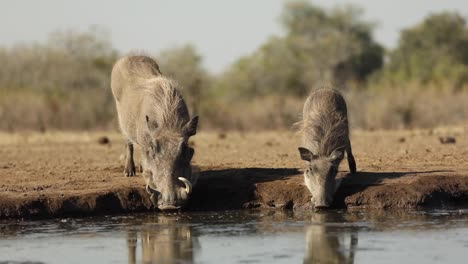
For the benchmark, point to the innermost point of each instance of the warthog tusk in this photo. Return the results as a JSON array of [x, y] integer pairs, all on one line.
[[188, 185], [150, 190]]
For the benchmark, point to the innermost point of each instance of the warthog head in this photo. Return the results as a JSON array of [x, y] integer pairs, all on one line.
[[167, 170], [319, 176]]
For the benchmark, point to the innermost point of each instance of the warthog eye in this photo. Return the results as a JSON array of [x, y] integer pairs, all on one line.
[[155, 147], [186, 152], [190, 152]]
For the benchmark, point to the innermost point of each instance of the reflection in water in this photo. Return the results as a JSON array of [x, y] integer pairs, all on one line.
[[253, 236], [326, 243], [166, 240]]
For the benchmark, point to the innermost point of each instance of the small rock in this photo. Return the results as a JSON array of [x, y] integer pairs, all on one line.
[[447, 140], [103, 140], [222, 135], [402, 139]]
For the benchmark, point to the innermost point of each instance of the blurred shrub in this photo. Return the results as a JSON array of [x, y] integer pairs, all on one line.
[[320, 47], [62, 84], [184, 64], [261, 113], [434, 51], [406, 107]]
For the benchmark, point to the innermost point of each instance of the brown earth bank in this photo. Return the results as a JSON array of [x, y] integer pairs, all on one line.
[[75, 174]]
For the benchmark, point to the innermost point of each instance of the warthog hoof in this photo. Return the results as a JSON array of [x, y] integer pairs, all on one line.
[[130, 170]]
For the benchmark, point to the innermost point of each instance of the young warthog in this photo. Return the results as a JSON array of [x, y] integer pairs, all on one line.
[[153, 115], [325, 135]]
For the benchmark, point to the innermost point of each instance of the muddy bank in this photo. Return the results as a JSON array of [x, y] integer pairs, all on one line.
[[67, 174], [250, 188]]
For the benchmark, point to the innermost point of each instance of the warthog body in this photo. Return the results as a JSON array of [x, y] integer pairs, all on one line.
[[153, 115], [325, 137]]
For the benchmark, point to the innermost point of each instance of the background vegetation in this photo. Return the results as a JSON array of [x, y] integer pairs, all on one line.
[[64, 82]]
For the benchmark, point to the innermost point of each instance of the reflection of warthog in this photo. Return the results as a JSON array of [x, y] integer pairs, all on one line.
[[153, 115], [325, 136], [325, 245], [166, 242]]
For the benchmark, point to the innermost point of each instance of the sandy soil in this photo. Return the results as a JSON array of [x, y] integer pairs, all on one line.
[[56, 174]]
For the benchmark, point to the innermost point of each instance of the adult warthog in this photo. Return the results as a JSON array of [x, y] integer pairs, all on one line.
[[153, 115], [325, 138]]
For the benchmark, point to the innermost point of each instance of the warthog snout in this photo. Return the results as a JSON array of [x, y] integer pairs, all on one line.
[[166, 199], [321, 200], [322, 206]]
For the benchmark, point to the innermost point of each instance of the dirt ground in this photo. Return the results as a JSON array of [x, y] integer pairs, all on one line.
[[58, 174]]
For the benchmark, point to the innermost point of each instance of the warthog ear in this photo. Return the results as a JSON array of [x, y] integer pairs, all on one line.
[[190, 128], [337, 155], [306, 154], [152, 126]]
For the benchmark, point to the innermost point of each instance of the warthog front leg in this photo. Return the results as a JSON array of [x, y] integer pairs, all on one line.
[[140, 167], [129, 170], [351, 161]]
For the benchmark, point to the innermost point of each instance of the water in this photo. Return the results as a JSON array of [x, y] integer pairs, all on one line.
[[241, 237]]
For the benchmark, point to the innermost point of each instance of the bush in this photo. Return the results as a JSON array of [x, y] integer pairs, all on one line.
[[62, 84], [434, 51]]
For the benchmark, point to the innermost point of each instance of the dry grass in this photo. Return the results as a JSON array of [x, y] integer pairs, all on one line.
[[261, 113], [381, 109], [32, 110], [387, 109], [407, 107]]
